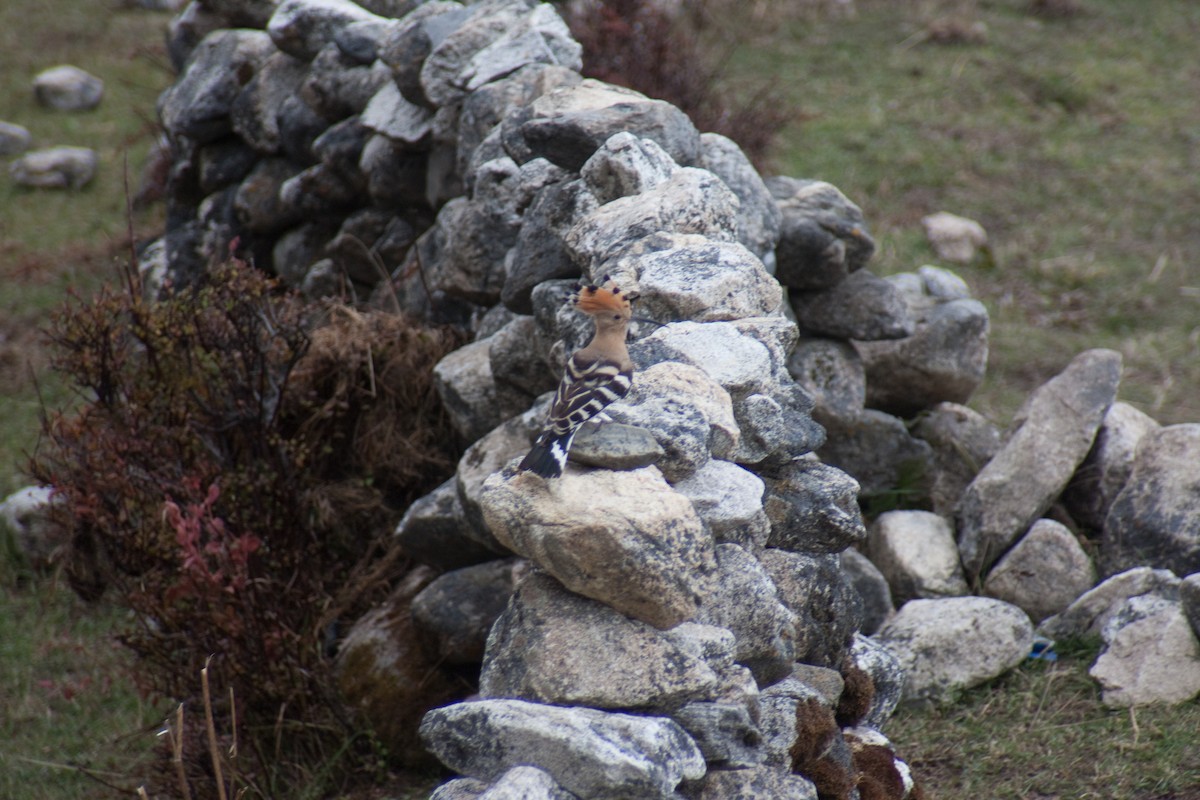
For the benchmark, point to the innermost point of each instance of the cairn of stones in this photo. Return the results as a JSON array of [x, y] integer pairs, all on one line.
[[696, 607]]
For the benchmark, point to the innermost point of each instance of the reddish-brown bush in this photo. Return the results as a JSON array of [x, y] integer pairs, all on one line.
[[232, 473]]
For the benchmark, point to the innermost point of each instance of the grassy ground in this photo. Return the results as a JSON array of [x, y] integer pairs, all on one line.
[[52, 242], [70, 720], [1074, 140], [71, 725], [1040, 733]]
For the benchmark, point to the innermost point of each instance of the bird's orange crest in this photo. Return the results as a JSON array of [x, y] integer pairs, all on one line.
[[607, 297]]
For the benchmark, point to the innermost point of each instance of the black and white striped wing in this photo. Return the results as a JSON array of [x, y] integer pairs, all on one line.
[[586, 388]]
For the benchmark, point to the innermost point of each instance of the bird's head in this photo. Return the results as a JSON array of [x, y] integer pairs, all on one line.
[[605, 303]]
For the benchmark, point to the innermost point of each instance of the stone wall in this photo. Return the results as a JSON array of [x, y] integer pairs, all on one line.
[[687, 610]]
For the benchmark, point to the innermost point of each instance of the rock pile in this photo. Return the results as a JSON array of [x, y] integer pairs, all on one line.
[[696, 608]]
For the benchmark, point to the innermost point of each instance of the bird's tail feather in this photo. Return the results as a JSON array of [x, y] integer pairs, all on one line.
[[548, 455]]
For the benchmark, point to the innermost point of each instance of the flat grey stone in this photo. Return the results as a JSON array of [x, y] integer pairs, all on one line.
[[589, 753], [1152, 655], [946, 646], [553, 646], [68, 88], [813, 508], [915, 551], [55, 168], [1050, 437], [611, 445]]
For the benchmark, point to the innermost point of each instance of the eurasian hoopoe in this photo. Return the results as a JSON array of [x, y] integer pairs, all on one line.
[[595, 376]]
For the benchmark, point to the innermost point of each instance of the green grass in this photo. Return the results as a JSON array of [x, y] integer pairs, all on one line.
[[55, 241], [69, 720], [1069, 139], [1040, 732]]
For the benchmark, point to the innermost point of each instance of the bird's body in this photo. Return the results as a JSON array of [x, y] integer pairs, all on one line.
[[595, 376]]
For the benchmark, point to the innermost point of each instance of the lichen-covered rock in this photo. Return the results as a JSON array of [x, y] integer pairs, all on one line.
[[395, 175], [778, 706], [257, 202], [1155, 520], [862, 307], [688, 413], [954, 238], [362, 40], [1189, 598], [255, 111], [827, 610], [756, 784], [398, 119], [743, 599], [1043, 573], [540, 253], [725, 733], [729, 499], [517, 357], [25, 514], [590, 753], [626, 165], [568, 125], [717, 647], [461, 789], [1151, 654], [741, 364], [186, 29], [690, 277], [1050, 437], [337, 86], [611, 445], [496, 38], [872, 589], [690, 201], [553, 646], [406, 46], [823, 237], [641, 550], [887, 679], [488, 456], [813, 508], [946, 646], [457, 609], [301, 28], [474, 400], [525, 783], [832, 372], [14, 139], [915, 551]]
